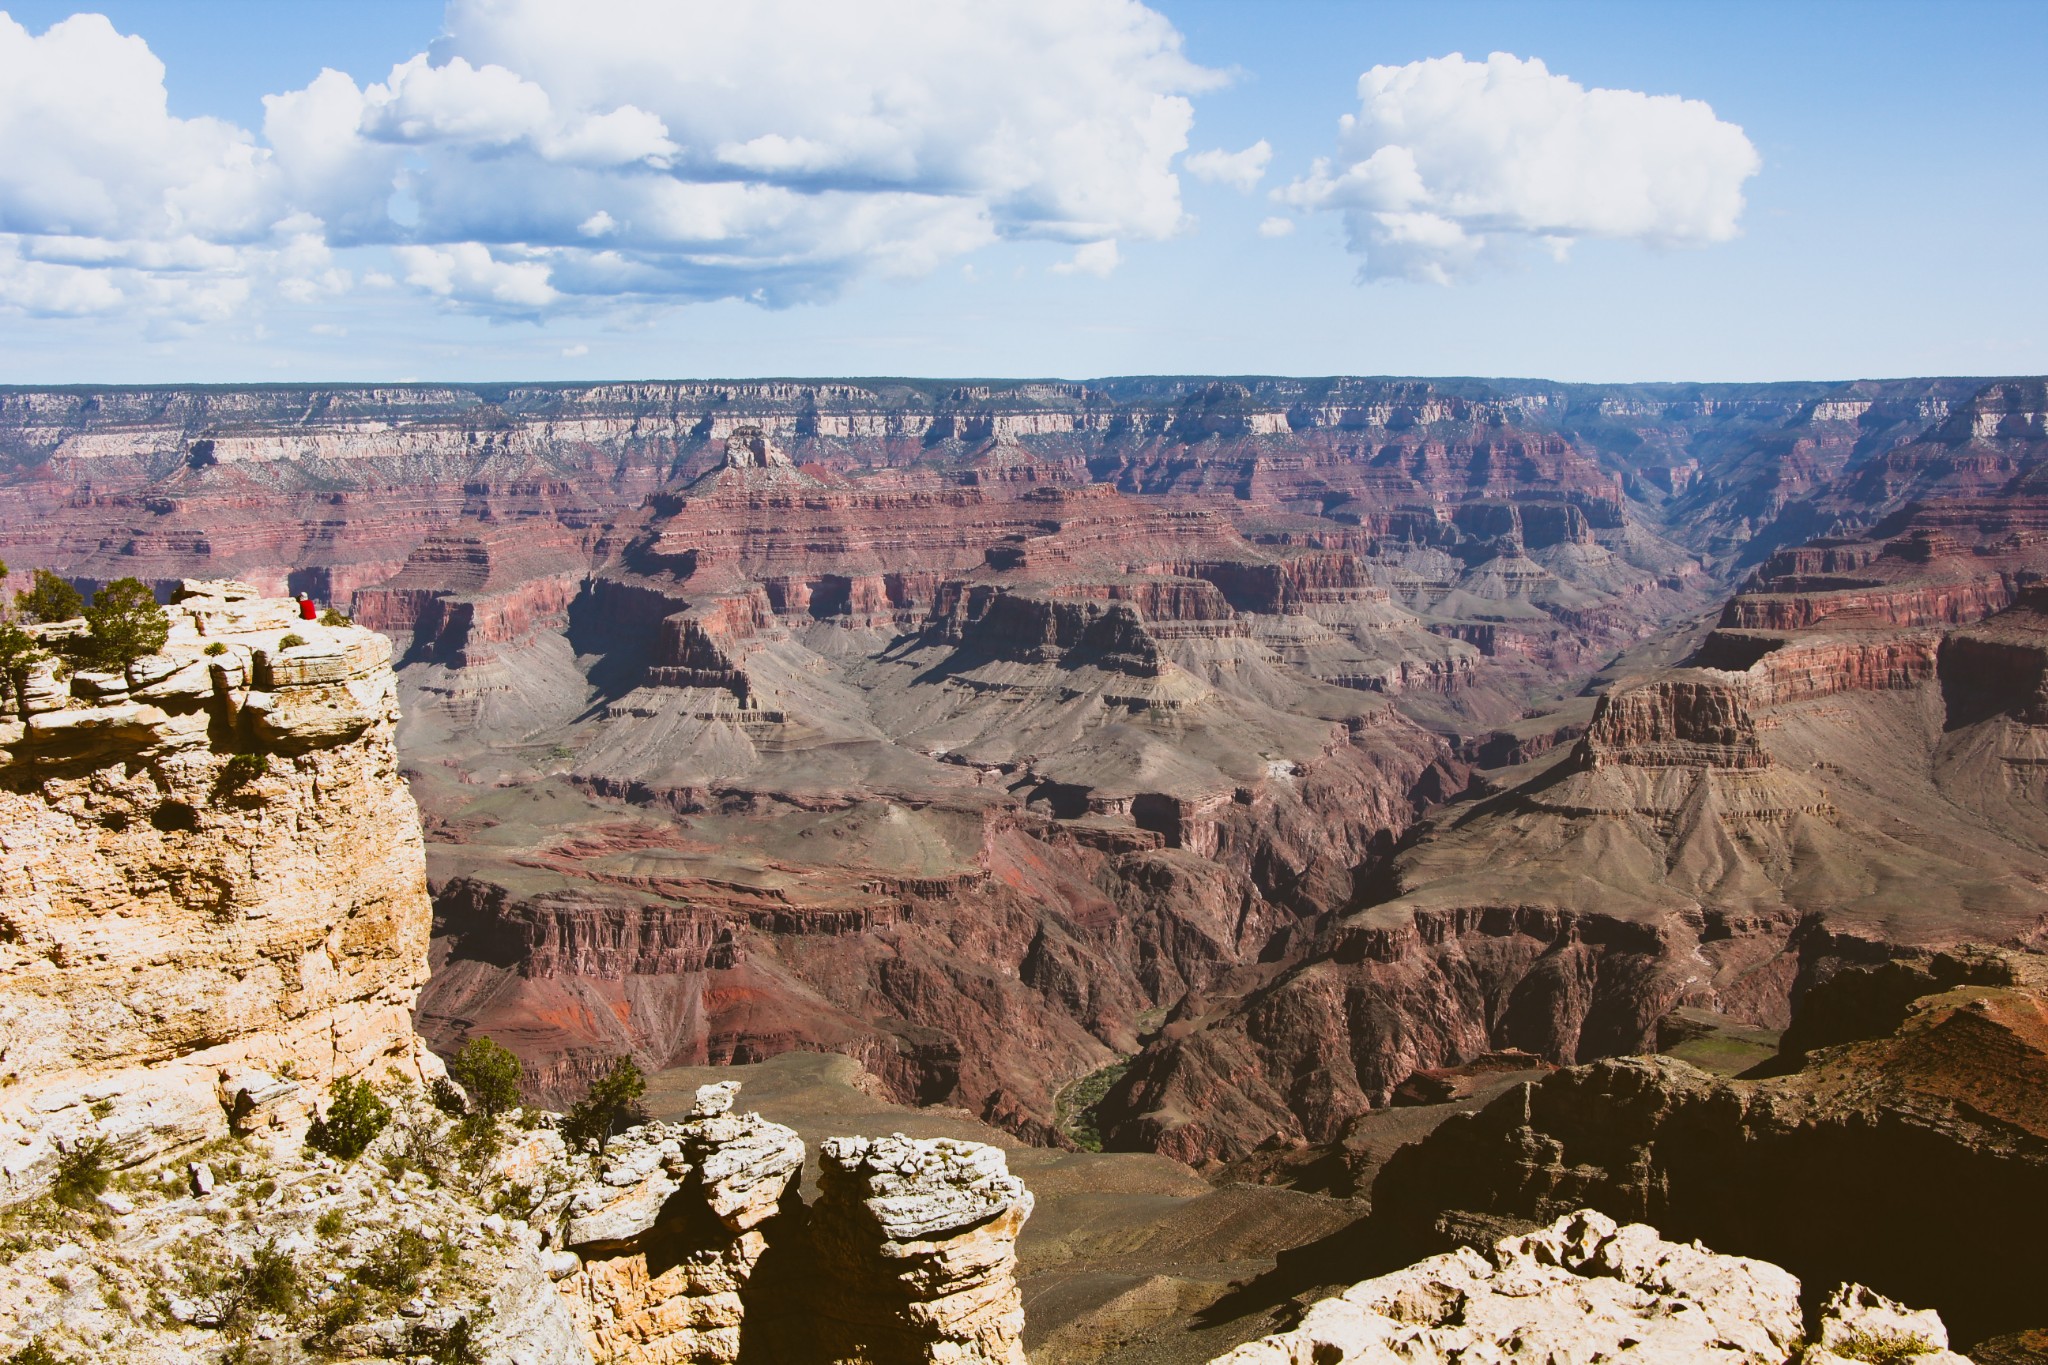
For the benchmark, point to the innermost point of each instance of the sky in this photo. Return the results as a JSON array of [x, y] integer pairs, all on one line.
[[234, 191]]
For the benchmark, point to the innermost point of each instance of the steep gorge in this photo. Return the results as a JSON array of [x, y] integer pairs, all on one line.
[[990, 734]]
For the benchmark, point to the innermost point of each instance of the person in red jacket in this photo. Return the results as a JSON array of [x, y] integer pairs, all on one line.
[[305, 607]]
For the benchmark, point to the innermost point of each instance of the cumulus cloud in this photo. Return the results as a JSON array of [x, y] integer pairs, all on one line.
[[541, 158], [772, 151], [1450, 164], [109, 204], [1095, 258], [1276, 227], [1242, 171]]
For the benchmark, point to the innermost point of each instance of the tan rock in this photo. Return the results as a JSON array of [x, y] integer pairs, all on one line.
[[1583, 1289], [672, 1226], [182, 948], [1861, 1324], [915, 1251]]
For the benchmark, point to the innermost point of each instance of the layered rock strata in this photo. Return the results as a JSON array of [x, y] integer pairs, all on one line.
[[689, 1242], [1721, 838], [916, 1240], [1587, 1289], [673, 1230], [212, 889]]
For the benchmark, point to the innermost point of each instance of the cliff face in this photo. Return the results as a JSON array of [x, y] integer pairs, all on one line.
[[212, 887]]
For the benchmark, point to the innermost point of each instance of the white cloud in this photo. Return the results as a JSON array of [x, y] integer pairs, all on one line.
[[108, 203], [541, 158], [1451, 163], [1276, 227], [1096, 258], [1242, 171], [470, 273], [579, 349], [771, 151]]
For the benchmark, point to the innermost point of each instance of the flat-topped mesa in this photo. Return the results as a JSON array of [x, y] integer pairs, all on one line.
[[212, 886], [1586, 1288], [751, 448], [671, 1233], [1028, 628], [915, 1242], [1691, 719]]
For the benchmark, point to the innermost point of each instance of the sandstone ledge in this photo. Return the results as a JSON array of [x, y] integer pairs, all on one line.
[[212, 894]]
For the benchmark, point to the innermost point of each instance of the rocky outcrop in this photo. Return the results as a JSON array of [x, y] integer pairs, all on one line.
[[672, 1231], [256, 1250], [689, 1242], [212, 891], [1679, 721], [1951, 1088], [1585, 1288], [916, 1241]]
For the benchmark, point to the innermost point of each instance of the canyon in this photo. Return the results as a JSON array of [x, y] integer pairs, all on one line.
[[1254, 774]]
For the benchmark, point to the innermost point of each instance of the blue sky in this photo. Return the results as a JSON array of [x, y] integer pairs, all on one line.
[[1888, 173]]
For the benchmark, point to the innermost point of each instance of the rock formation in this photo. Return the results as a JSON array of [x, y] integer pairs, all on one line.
[[689, 1241], [916, 1240], [1937, 1066], [909, 720], [212, 894], [1587, 1289], [372, 1259], [1721, 838], [672, 1233]]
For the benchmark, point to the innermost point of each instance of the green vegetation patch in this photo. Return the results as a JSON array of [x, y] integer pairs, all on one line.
[[1075, 1107]]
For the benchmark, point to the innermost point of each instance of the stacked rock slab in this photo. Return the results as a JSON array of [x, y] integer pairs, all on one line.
[[212, 886], [690, 1242], [1587, 1289], [915, 1241], [672, 1233]]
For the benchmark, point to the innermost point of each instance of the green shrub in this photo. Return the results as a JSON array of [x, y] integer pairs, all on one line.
[[355, 1115], [329, 1225], [490, 1074], [452, 1345], [444, 1096], [35, 1353], [612, 1097], [477, 1139], [419, 1144], [273, 1279], [345, 1309], [215, 650], [126, 623], [332, 617], [242, 769], [82, 1174], [290, 641], [1882, 1348], [395, 1264], [49, 598], [19, 652]]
